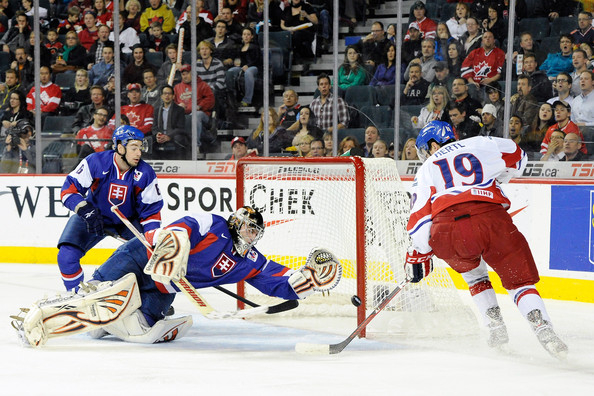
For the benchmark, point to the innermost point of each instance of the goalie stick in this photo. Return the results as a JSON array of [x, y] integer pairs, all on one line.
[[203, 306], [332, 349]]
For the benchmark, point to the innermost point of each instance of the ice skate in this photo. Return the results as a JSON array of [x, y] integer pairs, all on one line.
[[497, 330], [546, 335]]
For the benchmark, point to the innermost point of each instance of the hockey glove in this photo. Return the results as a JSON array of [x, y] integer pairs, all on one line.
[[418, 265], [92, 218], [170, 257], [322, 271]]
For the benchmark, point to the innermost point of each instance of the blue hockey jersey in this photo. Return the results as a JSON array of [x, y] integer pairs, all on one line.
[[134, 191], [213, 260]]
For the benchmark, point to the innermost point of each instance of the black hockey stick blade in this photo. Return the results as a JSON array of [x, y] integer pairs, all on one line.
[[282, 307], [332, 349]]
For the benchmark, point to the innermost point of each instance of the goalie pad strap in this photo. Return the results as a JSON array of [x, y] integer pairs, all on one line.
[[134, 328]]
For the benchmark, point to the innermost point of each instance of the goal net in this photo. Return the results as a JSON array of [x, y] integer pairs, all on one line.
[[358, 209]]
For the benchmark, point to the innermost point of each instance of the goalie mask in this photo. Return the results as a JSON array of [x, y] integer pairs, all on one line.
[[247, 227]]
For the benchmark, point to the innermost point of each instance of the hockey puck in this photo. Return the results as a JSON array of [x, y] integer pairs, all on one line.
[[356, 300]]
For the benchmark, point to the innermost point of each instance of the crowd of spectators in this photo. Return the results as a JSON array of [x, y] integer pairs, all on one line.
[[451, 72]]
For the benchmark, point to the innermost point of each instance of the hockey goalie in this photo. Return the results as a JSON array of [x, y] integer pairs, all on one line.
[[131, 292]]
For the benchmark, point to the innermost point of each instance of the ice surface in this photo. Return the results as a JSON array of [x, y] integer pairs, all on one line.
[[244, 357]]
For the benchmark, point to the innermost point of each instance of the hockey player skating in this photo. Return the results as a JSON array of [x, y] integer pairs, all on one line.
[[130, 293], [458, 213], [110, 178]]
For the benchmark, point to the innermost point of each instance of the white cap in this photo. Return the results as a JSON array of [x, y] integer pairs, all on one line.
[[489, 108]]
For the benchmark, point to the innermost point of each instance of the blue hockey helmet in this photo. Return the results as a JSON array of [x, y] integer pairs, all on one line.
[[125, 133], [439, 131]]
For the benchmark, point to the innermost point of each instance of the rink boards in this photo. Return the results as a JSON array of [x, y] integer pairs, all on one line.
[[557, 218]]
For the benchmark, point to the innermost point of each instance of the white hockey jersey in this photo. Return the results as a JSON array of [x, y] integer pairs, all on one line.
[[464, 171]]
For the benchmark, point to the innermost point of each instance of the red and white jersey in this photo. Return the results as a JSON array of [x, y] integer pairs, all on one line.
[[50, 95], [463, 171], [140, 116], [480, 64], [98, 137]]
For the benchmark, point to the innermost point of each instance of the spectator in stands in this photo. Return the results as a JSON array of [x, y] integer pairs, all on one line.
[[72, 21], [20, 159], [54, 45], [10, 85], [472, 39], [380, 149], [457, 23], [17, 35], [580, 64], [73, 57], [110, 93], [494, 96], [96, 136], [409, 150], [278, 137], [139, 114], [523, 102], [455, 58], [583, 104], [212, 72], [84, 115], [304, 145], [157, 12], [305, 125], [239, 149], [460, 95], [494, 23], [50, 94], [203, 31], [15, 110], [415, 90], [347, 143], [250, 64], [554, 151], [133, 13], [293, 19], [527, 46], [104, 16], [157, 41], [463, 126], [317, 148], [442, 77], [411, 49], [225, 48], [562, 86], [560, 61], [205, 99], [45, 55], [572, 143], [483, 65], [239, 9], [234, 29], [490, 125], [288, 112], [169, 136], [100, 72], [441, 42], [165, 69], [427, 61], [202, 13], [584, 33], [77, 95], [323, 106], [372, 135], [328, 143], [515, 130], [537, 129], [438, 99], [151, 90], [133, 73], [90, 33], [351, 72], [385, 73], [542, 88], [587, 48], [563, 123], [128, 35], [427, 26]]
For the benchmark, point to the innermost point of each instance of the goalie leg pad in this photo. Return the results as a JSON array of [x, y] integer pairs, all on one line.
[[96, 305], [135, 328]]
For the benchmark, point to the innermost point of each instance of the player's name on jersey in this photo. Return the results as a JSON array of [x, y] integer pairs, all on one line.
[[534, 169]]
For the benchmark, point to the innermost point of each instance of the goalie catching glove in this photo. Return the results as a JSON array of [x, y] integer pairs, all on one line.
[[417, 265], [322, 271], [170, 256]]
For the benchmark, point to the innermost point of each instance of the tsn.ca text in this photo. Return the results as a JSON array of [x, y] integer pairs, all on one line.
[[281, 200]]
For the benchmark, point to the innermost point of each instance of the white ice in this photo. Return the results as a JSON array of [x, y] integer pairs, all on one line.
[[247, 358]]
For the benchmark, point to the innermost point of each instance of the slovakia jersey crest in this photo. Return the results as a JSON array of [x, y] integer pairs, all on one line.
[[117, 194], [137, 175], [223, 265], [252, 255]]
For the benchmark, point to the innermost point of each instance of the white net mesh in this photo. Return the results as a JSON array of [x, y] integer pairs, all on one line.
[[307, 204]]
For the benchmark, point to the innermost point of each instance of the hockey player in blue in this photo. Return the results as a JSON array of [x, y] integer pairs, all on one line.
[[131, 291], [116, 177]]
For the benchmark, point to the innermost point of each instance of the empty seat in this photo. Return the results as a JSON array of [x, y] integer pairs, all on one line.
[[537, 27], [155, 58], [361, 95], [563, 25], [380, 116], [58, 124], [65, 80]]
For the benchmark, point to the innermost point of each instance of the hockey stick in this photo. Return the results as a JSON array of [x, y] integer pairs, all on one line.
[[203, 306], [331, 349]]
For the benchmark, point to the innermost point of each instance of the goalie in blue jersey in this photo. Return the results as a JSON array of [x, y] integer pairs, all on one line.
[[117, 177], [131, 292]]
